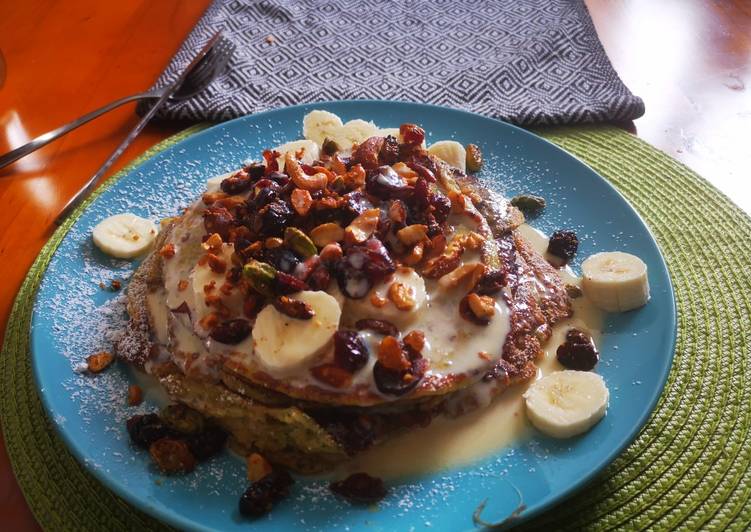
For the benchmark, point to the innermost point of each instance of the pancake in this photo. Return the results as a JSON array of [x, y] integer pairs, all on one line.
[[292, 415]]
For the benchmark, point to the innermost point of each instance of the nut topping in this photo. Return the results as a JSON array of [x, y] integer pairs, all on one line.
[[402, 296], [327, 233], [362, 227], [412, 234]]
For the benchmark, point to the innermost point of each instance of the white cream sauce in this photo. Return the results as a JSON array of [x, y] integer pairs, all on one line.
[[453, 442]]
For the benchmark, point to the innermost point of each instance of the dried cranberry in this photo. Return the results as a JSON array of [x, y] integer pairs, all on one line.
[[441, 206], [563, 244], [281, 258], [266, 192], [385, 183], [236, 183], [207, 443], [422, 171], [355, 203], [320, 278], [172, 456], [255, 170], [412, 134], [263, 494], [367, 152], [360, 488], [272, 160], [378, 263], [231, 332], [146, 429], [362, 267], [491, 283], [383, 327], [279, 178], [350, 351], [285, 284], [421, 196], [218, 220], [273, 219], [354, 283], [399, 382], [578, 351], [389, 153]]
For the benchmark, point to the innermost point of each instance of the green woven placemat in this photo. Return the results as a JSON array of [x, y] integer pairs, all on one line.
[[689, 466]]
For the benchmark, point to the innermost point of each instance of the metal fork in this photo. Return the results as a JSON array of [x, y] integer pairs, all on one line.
[[210, 66], [221, 58]]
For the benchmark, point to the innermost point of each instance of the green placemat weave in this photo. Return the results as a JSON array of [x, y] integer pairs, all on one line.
[[688, 468]]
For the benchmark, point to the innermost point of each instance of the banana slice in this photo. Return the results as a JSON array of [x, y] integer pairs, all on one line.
[[378, 304], [356, 131], [450, 151], [214, 183], [318, 125], [284, 344], [615, 281], [566, 403], [124, 235], [307, 148]]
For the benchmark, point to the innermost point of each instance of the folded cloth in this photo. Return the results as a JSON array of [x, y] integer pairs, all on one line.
[[525, 61]]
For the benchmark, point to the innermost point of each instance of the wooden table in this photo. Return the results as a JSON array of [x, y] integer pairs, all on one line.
[[689, 59]]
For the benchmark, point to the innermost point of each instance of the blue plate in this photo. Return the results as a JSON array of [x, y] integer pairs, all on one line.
[[74, 317]]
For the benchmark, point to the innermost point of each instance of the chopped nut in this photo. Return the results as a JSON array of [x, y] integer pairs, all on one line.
[[473, 158], [217, 265], [182, 284], [332, 375], [458, 202], [273, 242], [362, 227], [452, 279], [99, 361], [209, 321], [439, 266], [209, 287], [397, 212], [213, 243], [402, 296], [416, 340], [415, 255], [258, 467], [167, 251], [529, 204], [300, 178], [573, 291], [260, 276], [294, 308], [355, 177], [299, 242], [403, 170], [437, 245], [135, 395], [209, 198], [412, 234], [172, 456], [331, 252], [301, 201], [485, 356], [391, 355], [481, 306], [377, 301], [327, 233]]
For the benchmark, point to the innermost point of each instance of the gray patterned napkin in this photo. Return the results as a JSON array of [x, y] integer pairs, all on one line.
[[525, 61]]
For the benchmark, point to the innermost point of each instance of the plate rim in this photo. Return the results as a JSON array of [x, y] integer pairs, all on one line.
[[174, 518]]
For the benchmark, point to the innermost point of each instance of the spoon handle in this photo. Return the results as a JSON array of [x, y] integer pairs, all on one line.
[[46, 138]]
